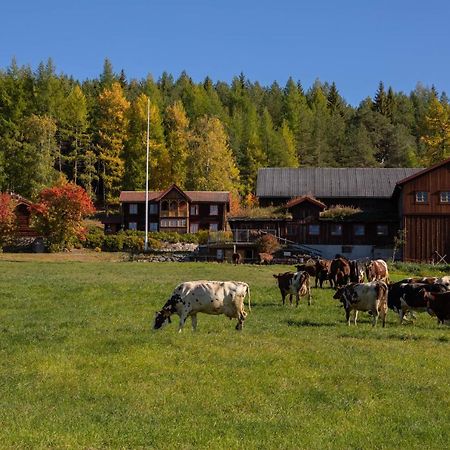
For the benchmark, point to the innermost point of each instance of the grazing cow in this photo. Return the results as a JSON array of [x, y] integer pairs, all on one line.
[[236, 258], [339, 271], [307, 268], [404, 298], [438, 304], [356, 272], [210, 297], [322, 271], [370, 297], [377, 270], [265, 258], [294, 284]]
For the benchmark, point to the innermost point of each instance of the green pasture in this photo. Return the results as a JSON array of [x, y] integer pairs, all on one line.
[[80, 366]]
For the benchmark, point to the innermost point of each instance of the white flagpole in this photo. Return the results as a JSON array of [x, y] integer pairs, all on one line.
[[146, 178]]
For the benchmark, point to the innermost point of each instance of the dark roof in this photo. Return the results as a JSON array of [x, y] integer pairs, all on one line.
[[195, 196], [330, 182], [423, 171], [302, 199]]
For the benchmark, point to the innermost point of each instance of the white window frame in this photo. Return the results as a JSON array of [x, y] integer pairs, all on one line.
[[213, 210], [133, 208], [213, 226], [194, 210], [444, 196], [153, 208], [132, 226], [193, 227], [421, 197]]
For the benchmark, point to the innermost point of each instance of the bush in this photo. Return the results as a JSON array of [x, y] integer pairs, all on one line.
[[267, 244]]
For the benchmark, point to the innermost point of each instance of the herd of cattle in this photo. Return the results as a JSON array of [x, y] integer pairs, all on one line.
[[358, 286]]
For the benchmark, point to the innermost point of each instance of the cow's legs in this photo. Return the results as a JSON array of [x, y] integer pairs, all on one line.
[[194, 321], [309, 296], [290, 299], [183, 318], [347, 316], [383, 313], [374, 317], [241, 317], [356, 316], [297, 299]]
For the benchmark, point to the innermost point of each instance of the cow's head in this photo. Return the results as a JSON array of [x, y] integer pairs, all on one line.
[[162, 318], [339, 294], [445, 281], [299, 278]]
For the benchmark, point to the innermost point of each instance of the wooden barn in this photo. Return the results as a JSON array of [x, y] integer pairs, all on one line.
[[174, 210], [23, 216], [387, 202], [424, 207]]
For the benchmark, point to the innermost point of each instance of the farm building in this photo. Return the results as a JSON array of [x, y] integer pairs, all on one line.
[[173, 210], [382, 202], [23, 215]]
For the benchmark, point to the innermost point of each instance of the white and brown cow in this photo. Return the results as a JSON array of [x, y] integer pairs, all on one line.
[[377, 270], [370, 297], [297, 284], [209, 297]]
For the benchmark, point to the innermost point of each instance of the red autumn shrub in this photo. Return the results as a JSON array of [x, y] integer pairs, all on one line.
[[59, 214]]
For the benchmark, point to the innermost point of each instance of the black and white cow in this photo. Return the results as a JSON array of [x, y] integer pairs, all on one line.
[[370, 297], [407, 298], [209, 297], [297, 284]]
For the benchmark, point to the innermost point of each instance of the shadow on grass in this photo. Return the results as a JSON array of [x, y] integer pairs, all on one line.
[[308, 323]]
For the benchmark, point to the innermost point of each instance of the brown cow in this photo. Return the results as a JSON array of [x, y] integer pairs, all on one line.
[[265, 258], [322, 270], [294, 284], [306, 268], [236, 258], [377, 270], [438, 304], [339, 272]]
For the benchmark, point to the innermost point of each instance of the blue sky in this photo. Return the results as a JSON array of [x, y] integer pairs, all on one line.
[[354, 43]]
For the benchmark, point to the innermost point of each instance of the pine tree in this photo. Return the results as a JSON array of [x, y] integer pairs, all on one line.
[[380, 100], [108, 77]]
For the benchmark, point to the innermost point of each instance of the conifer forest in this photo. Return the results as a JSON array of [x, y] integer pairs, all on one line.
[[208, 135]]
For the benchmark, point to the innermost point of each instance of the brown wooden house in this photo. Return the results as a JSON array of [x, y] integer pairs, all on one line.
[[23, 216], [306, 192], [174, 210], [424, 207]]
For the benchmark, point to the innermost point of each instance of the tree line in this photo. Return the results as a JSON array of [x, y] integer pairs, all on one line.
[[203, 136]]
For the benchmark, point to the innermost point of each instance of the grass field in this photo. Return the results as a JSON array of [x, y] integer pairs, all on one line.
[[81, 368]]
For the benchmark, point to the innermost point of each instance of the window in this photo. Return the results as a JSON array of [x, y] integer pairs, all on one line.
[[336, 230], [164, 208], [213, 210], [173, 208], [133, 208], [181, 222], [153, 226], [314, 230], [164, 223], [382, 230], [132, 226], [359, 230], [445, 197], [193, 228], [213, 226], [153, 208], [194, 210], [421, 197]]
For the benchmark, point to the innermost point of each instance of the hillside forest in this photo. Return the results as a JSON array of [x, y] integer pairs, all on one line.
[[210, 135]]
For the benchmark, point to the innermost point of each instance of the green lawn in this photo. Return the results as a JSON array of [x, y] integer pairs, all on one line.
[[80, 366]]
